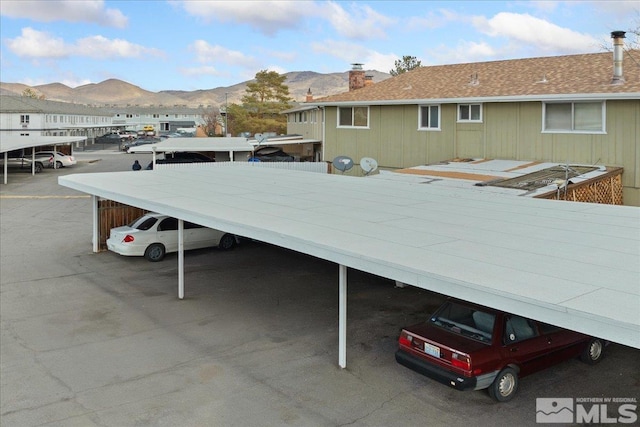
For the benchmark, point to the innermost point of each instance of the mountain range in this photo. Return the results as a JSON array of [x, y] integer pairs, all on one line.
[[114, 92]]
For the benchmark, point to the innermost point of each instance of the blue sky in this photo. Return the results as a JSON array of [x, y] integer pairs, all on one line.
[[190, 45]]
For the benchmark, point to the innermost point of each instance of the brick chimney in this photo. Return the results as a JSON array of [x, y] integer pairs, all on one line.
[[618, 77], [356, 77], [309, 96], [368, 80]]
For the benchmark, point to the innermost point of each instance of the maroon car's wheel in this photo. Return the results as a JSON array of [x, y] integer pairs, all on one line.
[[505, 385], [593, 352]]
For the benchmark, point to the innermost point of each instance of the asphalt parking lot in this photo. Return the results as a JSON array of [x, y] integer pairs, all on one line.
[[102, 340]]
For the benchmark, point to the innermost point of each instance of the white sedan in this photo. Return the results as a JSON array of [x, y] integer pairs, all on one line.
[[61, 159], [154, 235]]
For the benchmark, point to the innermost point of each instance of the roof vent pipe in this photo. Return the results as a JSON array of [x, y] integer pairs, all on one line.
[[617, 37]]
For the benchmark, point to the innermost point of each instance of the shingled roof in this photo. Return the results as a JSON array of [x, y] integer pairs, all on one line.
[[25, 104], [532, 78]]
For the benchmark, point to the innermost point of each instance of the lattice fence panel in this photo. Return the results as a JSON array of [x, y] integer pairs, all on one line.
[[607, 190]]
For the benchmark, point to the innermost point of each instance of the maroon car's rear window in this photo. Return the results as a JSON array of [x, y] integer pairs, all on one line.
[[466, 321]]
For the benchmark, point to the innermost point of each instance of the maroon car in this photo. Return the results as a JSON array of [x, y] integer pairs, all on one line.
[[470, 347]]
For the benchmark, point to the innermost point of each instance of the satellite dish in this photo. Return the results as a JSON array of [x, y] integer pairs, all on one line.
[[342, 163], [368, 165], [260, 138]]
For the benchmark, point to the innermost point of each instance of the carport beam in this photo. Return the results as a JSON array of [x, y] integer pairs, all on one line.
[[96, 223], [180, 259], [342, 321]]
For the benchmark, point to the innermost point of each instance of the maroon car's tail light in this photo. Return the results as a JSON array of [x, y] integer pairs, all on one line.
[[128, 238], [405, 339], [461, 361]]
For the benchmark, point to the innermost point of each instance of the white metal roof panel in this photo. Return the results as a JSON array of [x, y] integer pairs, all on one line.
[[10, 143], [195, 144], [576, 265]]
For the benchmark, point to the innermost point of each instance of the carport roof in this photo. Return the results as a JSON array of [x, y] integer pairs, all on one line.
[[195, 144], [9, 143], [575, 265]]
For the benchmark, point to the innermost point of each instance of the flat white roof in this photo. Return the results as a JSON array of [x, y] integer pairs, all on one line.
[[10, 143], [469, 174], [195, 144], [575, 265]]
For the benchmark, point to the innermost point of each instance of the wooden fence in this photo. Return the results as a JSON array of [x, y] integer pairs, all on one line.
[[114, 214]]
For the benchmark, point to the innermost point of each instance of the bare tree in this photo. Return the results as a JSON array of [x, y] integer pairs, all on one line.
[[213, 122]]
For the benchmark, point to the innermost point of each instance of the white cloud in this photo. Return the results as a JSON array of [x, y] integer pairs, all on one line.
[[463, 52], [37, 44], [380, 62], [207, 53], [267, 17], [535, 33], [92, 11], [100, 47], [353, 53], [278, 69], [362, 23]]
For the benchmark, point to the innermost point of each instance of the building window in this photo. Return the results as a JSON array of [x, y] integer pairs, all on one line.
[[156, 116], [581, 117], [24, 119], [429, 117], [353, 117], [469, 112]]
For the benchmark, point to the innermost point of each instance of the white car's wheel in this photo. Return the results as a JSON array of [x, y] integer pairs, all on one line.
[[227, 242], [155, 252]]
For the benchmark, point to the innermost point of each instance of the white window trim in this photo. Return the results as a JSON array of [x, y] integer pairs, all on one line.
[[352, 118], [436, 129], [469, 120], [569, 131]]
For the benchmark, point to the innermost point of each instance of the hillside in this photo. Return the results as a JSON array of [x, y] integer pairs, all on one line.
[[118, 92]]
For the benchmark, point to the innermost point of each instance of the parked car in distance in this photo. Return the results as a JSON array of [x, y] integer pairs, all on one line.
[[140, 141], [109, 138], [271, 154], [61, 159], [24, 162], [470, 347], [154, 235], [181, 157], [126, 135], [171, 135]]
